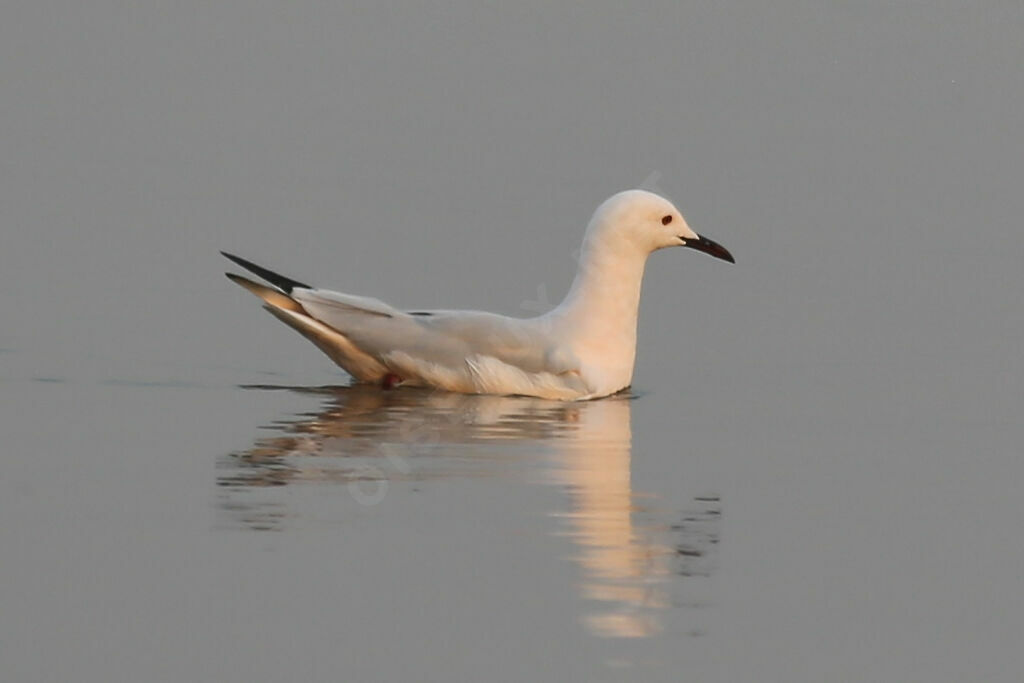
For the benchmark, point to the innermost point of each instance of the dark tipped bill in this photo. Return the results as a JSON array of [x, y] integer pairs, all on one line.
[[708, 247]]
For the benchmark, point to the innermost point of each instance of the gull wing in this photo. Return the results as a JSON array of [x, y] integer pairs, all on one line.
[[446, 338], [457, 350]]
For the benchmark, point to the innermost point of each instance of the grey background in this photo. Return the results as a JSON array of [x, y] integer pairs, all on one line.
[[851, 388]]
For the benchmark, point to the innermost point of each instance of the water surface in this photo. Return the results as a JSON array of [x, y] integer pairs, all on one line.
[[631, 548], [816, 476]]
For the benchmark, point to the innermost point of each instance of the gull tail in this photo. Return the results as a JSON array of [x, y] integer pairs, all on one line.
[[285, 284], [337, 346], [271, 296]]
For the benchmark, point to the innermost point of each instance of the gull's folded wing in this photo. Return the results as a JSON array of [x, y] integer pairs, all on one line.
[[458, 350], [441, 337]]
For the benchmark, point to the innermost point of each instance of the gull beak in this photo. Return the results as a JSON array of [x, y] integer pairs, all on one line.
[[708, 247]]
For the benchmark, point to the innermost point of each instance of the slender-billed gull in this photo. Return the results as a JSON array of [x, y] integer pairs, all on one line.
[[584, 348]]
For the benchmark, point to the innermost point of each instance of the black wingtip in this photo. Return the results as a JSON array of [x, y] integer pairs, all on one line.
[[286, 284]]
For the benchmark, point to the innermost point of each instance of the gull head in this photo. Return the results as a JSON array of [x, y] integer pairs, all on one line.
[[642, 220]]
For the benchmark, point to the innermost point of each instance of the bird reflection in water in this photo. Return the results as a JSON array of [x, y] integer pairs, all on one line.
[[368, 439]]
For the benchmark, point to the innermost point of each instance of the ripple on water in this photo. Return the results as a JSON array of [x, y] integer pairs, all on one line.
[[629, 554]]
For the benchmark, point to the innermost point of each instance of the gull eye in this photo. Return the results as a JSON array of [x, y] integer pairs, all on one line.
[[666, 220]]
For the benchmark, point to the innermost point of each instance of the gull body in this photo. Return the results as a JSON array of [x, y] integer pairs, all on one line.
[[582, 349]]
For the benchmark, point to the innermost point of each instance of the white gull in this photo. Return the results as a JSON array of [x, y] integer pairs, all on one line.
[[582, 349]]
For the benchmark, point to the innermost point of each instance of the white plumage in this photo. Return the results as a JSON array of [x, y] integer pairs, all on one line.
[[584, 348]]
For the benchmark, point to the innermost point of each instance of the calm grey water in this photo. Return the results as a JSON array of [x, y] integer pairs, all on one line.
[[816, 475]]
